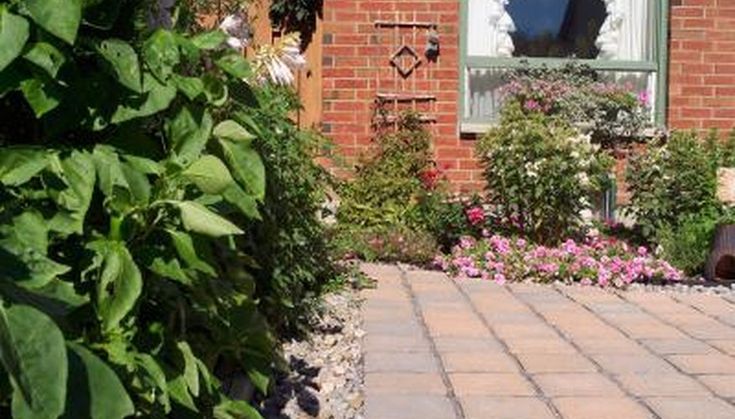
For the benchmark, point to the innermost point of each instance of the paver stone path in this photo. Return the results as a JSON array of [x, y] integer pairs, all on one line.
[[436, 348]]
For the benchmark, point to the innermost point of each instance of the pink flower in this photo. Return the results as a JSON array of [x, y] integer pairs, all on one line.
[[644, 98], [475, 215], [499, 279], [532, 105]]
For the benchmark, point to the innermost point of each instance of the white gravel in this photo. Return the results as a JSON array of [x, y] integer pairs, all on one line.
[[326, 378]]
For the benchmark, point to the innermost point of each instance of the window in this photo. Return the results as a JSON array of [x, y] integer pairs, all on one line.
[[624, 39]]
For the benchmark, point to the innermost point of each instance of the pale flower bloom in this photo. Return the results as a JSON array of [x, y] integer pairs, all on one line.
[[238, 30], [278, 62]]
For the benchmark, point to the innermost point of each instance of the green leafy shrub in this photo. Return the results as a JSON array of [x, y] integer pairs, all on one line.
[[687, 244], [289, 242], [129, 195], [540, 173], [610, 112], [387, 182], [671, 181], [391, 210]]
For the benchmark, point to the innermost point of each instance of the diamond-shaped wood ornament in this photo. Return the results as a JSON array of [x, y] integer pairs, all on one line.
[[405, 60]]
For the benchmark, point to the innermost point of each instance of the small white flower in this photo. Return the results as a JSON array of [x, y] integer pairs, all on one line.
[[237, 28], [583, 179]]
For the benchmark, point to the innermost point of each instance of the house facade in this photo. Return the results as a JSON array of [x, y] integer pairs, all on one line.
[[445, 60]]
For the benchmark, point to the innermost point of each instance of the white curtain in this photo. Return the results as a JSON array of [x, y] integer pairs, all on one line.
[[489, 28], [625, 33]]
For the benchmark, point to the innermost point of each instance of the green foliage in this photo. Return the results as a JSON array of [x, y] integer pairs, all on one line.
[[396, 207], [387, 183], [397, 243], [671, 181], [687, 244], [129, 190], [541, 173], [289, 244]]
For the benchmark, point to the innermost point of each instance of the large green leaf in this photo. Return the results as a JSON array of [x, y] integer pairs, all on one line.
[[112, 180], [209, 174], [79, 174], [95, 391], [153, 375], [197, 218], [247, 204], [46, 57], [42, 95], [191, 372], [209, 40], [244, 161], [232, 131], [33, 354], [158, 97], [123, 62], [192, 87], [23, 252], [119, 284], [161, 53], [13, 36], [59, 17], [19, 165], [235, 65], [231, 409], [188, 133], [187, 252], [140, 187]]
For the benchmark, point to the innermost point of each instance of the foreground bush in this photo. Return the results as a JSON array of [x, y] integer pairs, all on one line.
[[541, 173], [594, 261], [128, 197], [289, 242]]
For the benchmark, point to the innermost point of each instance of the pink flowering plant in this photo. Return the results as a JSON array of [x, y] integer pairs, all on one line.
[[594, 260], [609, 111]]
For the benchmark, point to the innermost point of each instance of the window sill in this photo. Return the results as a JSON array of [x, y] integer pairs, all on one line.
[[480, 128]]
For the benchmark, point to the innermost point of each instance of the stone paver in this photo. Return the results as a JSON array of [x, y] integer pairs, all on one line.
[[436, 348]]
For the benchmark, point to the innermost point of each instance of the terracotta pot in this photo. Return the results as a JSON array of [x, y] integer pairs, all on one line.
[[726, 185]]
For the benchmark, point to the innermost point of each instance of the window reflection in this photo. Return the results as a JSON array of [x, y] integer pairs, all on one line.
[[556, 28]]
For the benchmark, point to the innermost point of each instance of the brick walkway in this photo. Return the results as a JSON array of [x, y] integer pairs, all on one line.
[[436, 348]]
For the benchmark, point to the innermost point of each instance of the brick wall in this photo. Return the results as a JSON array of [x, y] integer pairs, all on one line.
[[356, 67], [702, 64]]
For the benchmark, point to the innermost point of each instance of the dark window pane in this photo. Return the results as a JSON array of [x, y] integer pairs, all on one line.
[[556, 28]]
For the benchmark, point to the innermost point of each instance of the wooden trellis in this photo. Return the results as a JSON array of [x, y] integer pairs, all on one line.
[[403, 74]]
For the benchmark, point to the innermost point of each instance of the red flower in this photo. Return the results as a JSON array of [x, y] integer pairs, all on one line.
[[430, 178], [475, 215]]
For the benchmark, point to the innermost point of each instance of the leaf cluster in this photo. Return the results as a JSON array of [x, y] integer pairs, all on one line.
[[125, 193]]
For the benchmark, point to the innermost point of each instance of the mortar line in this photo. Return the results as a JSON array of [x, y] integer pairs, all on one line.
[[697, 309], [671, 324], [602, 371], [451, 395], [703, 341], [540, 395], [640, 342]]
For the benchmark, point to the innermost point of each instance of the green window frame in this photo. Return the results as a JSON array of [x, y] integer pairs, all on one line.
[[658, 64]]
